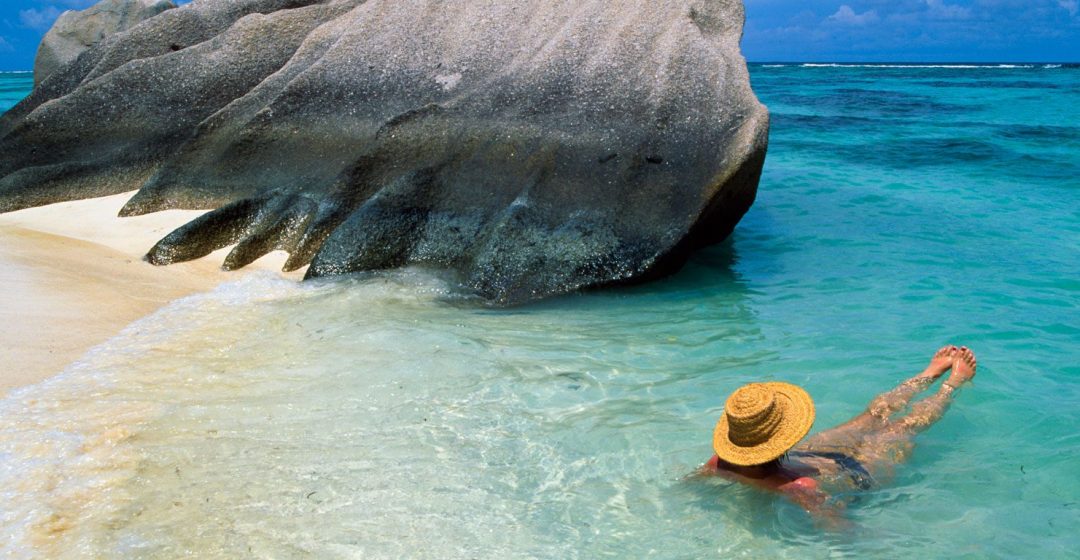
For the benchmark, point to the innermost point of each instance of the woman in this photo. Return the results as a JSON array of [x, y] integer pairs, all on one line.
[[757, 440]]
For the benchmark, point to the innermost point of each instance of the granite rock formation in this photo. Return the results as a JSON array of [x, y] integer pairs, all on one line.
[[534, 147], [75, 32]]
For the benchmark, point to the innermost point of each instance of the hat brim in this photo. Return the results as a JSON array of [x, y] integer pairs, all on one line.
[[798, 417]]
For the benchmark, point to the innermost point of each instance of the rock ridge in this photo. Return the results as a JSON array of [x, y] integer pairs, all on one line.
[[533, 147]]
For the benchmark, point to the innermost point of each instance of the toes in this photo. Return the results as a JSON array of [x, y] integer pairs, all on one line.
[[945, 352], [967, 356]]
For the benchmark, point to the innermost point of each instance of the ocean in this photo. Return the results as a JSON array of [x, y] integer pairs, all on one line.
[[902, 207]]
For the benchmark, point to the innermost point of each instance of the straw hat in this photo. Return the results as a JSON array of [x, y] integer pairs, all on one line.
[[761, 422]]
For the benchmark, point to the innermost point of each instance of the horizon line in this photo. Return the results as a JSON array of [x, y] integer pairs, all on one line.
[[842, 62], [980, 63]]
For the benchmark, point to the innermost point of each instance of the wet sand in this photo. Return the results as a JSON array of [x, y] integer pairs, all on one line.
[[72, 276]]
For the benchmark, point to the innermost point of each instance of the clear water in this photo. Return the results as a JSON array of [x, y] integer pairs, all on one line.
[[379, 417], [13, 87]]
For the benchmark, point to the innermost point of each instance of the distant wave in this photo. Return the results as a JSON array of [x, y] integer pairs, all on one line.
[[1050, 66], [840, 65], [16, 71]]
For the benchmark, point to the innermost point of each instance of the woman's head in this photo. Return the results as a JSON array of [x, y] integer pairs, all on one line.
[[761, 422]]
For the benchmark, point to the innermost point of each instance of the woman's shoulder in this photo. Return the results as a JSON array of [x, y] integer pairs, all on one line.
[[801, 483]]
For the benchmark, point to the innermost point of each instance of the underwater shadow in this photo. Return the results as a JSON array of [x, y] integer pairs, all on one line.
[[708, 273]]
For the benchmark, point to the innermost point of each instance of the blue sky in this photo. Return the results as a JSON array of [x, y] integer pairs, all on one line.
[[24, 22], [913, 30], [785, 30]]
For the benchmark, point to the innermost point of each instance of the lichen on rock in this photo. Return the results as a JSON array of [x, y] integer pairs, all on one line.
[[534, 147]]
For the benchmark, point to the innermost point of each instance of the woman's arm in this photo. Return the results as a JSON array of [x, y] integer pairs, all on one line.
[[803, 491], [806, 493]]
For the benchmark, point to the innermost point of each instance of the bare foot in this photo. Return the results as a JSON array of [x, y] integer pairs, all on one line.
[[941, 362], [963, 368]]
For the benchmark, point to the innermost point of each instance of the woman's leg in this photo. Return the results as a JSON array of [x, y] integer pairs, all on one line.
[[893, 443], [852, 433], [886, 404], [930, 410]]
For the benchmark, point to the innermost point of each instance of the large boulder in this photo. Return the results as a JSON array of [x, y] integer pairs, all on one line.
[[532, 146], [75, 32]]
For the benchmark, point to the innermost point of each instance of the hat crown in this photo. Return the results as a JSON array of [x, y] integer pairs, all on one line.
[[753, 415]]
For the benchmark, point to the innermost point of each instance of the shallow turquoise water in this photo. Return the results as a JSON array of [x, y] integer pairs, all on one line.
[[379, 417], [13, 87]]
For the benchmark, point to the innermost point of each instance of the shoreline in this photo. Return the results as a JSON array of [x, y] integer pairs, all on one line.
[[73, 277]]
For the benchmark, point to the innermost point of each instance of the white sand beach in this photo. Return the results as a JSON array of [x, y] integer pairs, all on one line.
[[73, 276]]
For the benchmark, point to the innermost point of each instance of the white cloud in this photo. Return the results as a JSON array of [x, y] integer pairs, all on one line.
[[75, 4], [1071, 6], [848, 16], [43, 18], [5, 46], [940, 10], [40, 20]]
